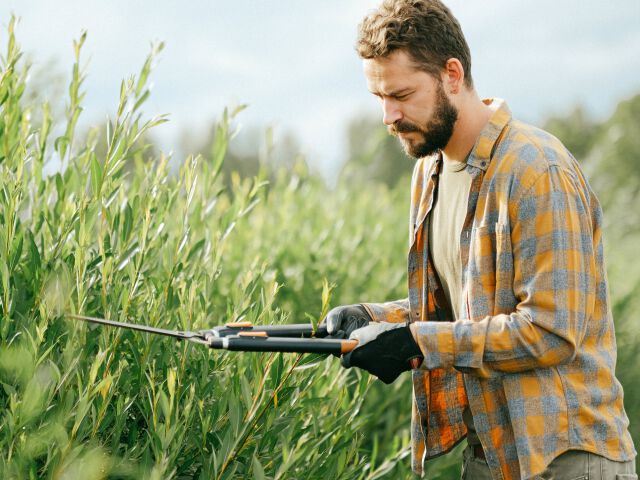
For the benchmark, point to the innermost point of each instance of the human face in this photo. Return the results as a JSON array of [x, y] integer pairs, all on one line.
[[415, 106]]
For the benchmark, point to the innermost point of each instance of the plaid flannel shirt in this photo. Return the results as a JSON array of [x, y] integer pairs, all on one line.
[[535, 356]]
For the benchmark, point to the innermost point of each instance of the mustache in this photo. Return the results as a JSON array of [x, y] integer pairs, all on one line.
[[402, 127]]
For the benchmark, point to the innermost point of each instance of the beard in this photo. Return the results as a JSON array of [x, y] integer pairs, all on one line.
[[435, 134]]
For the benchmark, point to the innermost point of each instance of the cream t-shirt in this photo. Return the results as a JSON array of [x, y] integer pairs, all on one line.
[[447, 218]]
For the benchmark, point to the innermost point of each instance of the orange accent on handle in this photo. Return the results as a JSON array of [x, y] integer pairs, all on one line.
[[252, 334], [416, 362], [239, 325], [347, 345]]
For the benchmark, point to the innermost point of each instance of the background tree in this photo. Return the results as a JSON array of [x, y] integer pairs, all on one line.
[[373, 155]]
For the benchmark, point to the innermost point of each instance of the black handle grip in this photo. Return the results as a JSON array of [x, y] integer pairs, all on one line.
[[283, 344], [294, 330]]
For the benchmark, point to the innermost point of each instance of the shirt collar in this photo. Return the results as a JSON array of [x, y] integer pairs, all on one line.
[[486, 142], [480, 154]]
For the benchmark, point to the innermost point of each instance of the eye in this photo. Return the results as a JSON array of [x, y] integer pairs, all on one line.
[[402, 97]]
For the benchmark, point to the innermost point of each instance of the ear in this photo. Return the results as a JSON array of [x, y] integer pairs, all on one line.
[[453, 76]]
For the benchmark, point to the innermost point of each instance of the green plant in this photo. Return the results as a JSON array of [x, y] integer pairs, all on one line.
[[140, 244]]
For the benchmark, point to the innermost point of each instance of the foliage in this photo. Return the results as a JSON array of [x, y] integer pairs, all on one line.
[[577, 131], [374, 155], [609, 151], [113, 234], [248, 150]]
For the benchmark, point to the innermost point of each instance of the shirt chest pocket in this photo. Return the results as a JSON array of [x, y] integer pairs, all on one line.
[[490, 273]]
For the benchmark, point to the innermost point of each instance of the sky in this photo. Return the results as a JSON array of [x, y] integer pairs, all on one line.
[[293, 61]]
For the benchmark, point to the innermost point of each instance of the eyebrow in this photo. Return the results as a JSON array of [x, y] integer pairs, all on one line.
[[396, 93]]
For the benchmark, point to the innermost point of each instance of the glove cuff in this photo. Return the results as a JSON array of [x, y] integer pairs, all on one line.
[[410, 348], [366, 310]]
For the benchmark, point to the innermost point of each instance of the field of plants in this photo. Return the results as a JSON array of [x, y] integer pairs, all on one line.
[[115, 232]]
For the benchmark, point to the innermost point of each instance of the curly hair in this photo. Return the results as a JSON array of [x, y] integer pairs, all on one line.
[[425, 29]]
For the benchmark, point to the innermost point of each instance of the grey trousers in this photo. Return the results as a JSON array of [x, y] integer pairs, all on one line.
[[571, 465]]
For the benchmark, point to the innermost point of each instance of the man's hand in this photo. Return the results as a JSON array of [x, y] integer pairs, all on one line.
[[341, 321], [384, 350]]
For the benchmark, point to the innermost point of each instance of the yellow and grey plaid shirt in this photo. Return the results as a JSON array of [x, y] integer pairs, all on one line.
[[535, 356]]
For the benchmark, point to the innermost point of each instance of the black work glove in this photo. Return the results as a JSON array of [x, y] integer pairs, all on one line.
[[384, 350], [341, 321]]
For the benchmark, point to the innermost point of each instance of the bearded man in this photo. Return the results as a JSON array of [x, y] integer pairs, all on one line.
[[507, 317]]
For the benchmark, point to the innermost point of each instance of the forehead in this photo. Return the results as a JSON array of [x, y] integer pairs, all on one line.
[[397, 70]]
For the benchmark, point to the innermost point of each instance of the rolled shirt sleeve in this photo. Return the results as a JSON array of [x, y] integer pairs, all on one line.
[[396, 311]]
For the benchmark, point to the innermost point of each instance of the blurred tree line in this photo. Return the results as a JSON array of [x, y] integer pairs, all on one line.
[[251, 150], [609, 151]]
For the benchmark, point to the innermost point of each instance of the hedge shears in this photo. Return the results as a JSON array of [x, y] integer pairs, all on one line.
[[246, 337]]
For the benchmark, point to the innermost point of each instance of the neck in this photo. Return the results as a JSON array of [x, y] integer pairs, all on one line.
[[473, 115]]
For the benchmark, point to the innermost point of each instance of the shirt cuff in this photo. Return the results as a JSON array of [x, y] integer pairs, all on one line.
[[435, 339], [457, 344]]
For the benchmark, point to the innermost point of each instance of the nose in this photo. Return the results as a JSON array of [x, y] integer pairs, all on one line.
[[390, 112]]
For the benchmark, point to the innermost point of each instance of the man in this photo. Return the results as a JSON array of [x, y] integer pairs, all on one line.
[[508, 303]]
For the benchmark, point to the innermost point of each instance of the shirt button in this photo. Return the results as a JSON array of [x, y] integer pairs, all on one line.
[[484, 164]]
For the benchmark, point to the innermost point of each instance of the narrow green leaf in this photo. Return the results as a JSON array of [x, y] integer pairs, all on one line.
[[127, 223], [258, 470], [17, 251], [96, 176]]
